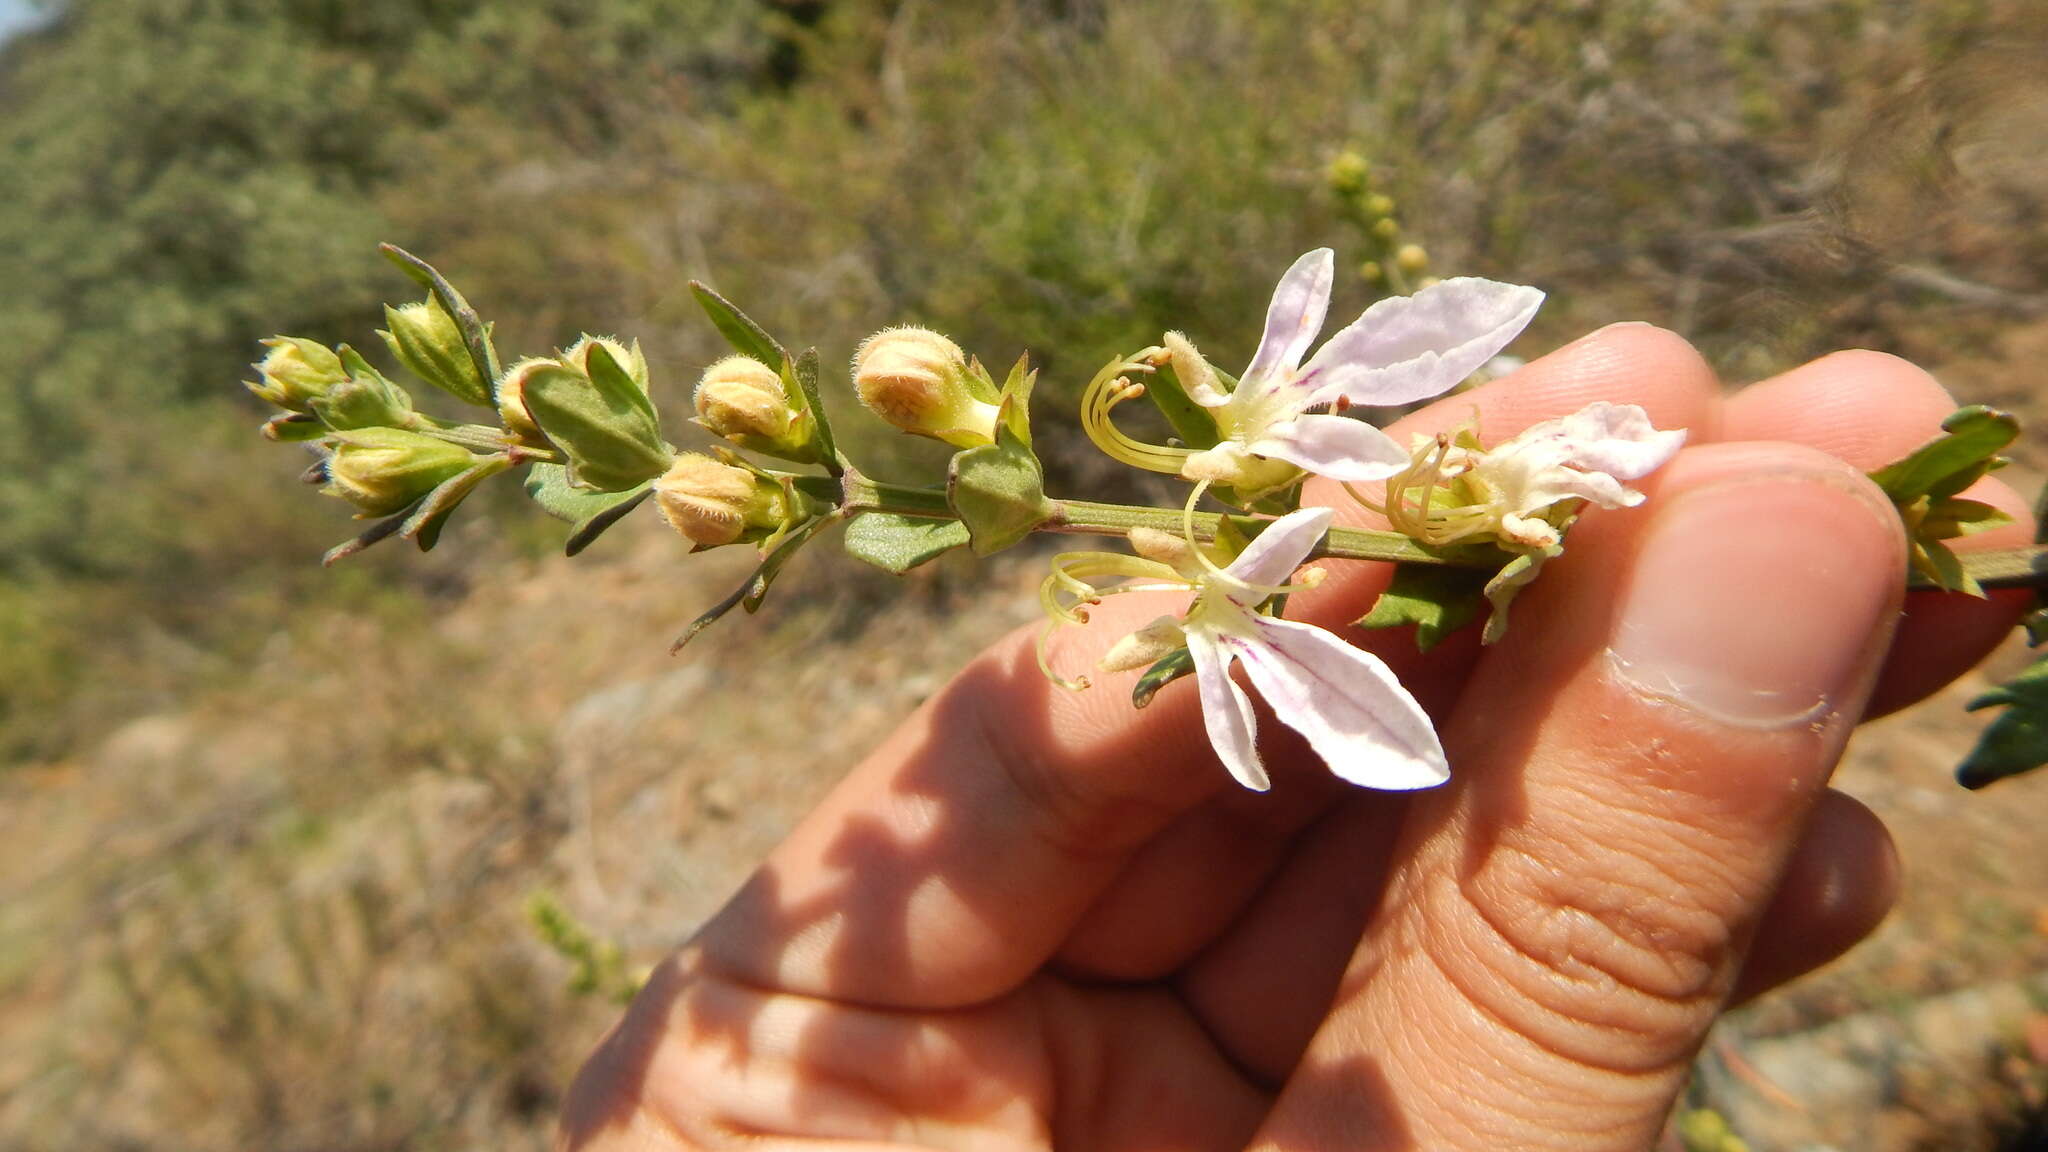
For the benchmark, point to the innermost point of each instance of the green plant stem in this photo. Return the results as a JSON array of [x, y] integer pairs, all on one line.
[[2007, 568], [1087, 518]]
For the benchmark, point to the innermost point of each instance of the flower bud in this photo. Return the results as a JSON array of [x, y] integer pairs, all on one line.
[[1372, 273], [511, 393], [745, 401], [1379, 205], [601, 421], [296, 372], [1386, 228], [1349, 173], [1412, 258], [917, 380], [631, 361], [364, 398], [382, 470], [712, 503], [426, 339]]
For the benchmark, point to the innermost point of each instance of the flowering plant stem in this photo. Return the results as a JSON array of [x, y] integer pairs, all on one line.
[[2006, 568]]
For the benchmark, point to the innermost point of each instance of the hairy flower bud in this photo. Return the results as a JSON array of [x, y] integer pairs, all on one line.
[[511, 392], [631, 360], [296, 372], [746, 402], [917, 380], [426, 339], [593, 408], [382, 470], [712, 503]]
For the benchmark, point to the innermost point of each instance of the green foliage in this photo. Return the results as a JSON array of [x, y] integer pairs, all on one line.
[[597, 967], [896, 544], [998, 491], [2017, 740], [1437, 601], [1927, 485]]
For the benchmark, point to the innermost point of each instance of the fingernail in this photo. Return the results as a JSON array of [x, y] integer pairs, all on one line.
[[1759, 602]]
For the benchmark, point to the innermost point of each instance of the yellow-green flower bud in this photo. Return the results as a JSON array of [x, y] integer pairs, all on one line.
[[426, 339], [296, 372], [629, 359], [512, 400], [1379, 205], [1412, 258], [712, 503], [746, 402], [917, 380], [382, 470], [1349, 173], [1372, 273], [1386, 228]]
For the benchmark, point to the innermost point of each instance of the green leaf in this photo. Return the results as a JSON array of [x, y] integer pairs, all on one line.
[[1924, 486], [896, 544], [755, 588], [604, 423], [586, 533], [617, 384], [2017, 740], [550, 488], [746, 337], [771, 567], [1015, 413], [1164, 671], [1971, 439], [998, 492], [423, 527], [476, 335], [1191, 422], [803, 374], [1437, 600], [1939, 563], [376, 533]]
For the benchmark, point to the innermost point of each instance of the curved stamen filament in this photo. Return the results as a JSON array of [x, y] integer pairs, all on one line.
[[1109, 389], [1073, 574], [1187, 528]]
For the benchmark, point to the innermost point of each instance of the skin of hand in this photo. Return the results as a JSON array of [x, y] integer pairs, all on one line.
[[1036, 919]]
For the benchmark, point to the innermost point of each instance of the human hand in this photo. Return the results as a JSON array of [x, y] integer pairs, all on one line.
[[1035, 919]]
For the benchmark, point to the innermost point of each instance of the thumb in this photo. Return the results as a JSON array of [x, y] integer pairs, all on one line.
[[1632, 768]]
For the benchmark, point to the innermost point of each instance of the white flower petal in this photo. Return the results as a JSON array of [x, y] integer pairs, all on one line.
[[1300, 301], [1338, 447], [1408, 348], [1227, 712], [1279, 549], [1617, 439], [1356, 716]]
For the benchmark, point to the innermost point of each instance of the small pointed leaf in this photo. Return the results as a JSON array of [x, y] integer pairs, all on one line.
[[1437, 600], [1163, 671], [739, 330], [595, 525], [2017, 740], [476, 334], [896, 544]]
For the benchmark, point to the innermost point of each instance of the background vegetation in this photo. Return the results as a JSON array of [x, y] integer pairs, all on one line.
[[267, 832]]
